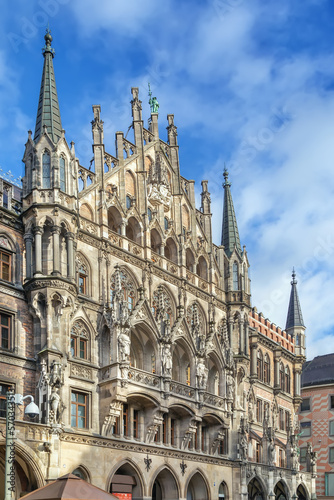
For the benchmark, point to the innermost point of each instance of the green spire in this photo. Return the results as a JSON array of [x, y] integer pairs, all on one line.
[[230, 234], [295, 317], [48, 108]]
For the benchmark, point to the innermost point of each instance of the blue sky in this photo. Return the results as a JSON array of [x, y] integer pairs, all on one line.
[[250, 84]]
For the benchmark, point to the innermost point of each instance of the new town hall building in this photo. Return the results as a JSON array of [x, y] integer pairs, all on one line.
[[134, 332]]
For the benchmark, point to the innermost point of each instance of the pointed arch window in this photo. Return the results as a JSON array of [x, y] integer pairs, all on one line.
[[235, 276], [128, 289], [149, 214], [287, 380], [260, 365], [128, 202], [79, 341], [266, 369], [83, 278], [5, 198], [281, 377], [62, 174], [46, 171], [188, 374]]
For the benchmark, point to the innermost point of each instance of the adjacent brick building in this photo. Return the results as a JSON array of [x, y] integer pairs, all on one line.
[[317, 421]]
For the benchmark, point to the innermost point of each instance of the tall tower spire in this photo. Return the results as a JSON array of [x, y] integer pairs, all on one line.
[[294, 321], [295, 317], [48, 108], [230, 233]]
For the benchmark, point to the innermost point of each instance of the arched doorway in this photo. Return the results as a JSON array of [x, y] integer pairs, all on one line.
[[255, 490], [126, 480], [81, 473], [301, 493], [165, 487], [280, 491], [197, 489], [223, 491], [25, 473]]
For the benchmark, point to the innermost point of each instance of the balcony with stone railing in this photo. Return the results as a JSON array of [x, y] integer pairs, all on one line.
[[148, 381]]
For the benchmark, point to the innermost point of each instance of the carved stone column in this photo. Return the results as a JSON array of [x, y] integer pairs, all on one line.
[[246, 350], [241, 337], [297, 383], [28, 238], [55, 231], [38, 231], [70, 254], [123, 227], [253, 366]]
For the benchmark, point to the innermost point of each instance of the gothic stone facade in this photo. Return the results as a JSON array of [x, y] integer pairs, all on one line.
[[134, 331]]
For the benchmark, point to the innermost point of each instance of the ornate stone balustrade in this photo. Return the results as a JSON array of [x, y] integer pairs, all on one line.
[[115, 238], [135, 249], [141, 377], [213, 400], [182, 390]]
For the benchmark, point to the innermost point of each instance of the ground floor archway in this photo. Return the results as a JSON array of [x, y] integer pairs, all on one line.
[[165, 486], [301, 493], [28, 476], [127, 480], [255, 490], [280, 491], [197, 489]]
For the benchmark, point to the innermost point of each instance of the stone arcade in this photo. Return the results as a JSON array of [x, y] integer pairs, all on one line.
[[154, 375]]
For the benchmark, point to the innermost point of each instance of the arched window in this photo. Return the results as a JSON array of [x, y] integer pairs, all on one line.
[[259, 367], [79, 472], [281, 377], [127, 287], [83, 280], [188, 374], [266, 370], [202, 268], [171, 250], [222, 493], [162, 298], [46, 177], [128, 202], [5, 198], [166, 223], [133, 230], [79, 341], [287, 380], [62, 174], [190, 260], [235, 276], [149, 214]]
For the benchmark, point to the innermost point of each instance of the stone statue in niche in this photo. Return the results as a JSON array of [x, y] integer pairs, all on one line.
[[229, 386], [167, 362], [201, 374], [124, 344], [54, 405]]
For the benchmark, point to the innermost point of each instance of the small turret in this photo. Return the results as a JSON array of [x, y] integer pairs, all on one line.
[[294, 322]]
